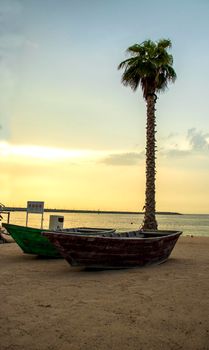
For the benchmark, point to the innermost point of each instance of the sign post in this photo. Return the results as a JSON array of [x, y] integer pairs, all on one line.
[[35, 208]]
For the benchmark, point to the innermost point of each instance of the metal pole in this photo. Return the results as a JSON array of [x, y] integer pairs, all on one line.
[[26, 219], [42, 219]]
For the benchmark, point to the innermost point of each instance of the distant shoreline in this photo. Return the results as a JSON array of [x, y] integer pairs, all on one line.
[[10, 209]]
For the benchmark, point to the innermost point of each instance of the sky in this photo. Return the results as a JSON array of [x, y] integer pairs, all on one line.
[[71, 134]]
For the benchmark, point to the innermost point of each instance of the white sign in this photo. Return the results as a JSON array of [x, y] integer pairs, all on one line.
[[35, 207]]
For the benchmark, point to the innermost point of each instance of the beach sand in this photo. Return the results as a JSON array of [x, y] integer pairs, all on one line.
[[46, 304]]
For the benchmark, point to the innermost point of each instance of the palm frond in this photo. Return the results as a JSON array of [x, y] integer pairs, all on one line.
[[164, 44], [150, 66]]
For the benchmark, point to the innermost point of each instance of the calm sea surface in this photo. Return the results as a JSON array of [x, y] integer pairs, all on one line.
[[197, 225]]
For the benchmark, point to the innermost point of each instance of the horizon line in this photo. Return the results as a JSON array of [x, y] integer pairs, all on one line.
[[88, 211]]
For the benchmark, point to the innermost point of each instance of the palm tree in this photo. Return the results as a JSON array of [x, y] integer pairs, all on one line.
[[150, 66]]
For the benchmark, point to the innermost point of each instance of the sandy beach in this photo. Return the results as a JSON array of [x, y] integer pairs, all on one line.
[[46, 304]]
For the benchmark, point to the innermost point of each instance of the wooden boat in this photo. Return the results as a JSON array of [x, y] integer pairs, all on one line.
[[115, 250], [31, 241]]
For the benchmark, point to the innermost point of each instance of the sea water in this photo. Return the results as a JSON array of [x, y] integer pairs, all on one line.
[[196, 225]]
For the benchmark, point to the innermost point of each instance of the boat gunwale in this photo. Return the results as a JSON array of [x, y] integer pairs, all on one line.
[[64, 230], [103, 237]]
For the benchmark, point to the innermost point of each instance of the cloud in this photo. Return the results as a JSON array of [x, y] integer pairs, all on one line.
[[194, 142], [12, 151], [10, 12], [175, 145], [8, 7], [198, 140], [11, 41], [31, 44], [177, 153], [120, 159]]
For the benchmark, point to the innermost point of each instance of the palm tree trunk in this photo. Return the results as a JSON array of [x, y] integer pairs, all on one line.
[[150, 222]]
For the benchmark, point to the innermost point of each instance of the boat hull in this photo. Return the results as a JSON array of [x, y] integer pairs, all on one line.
[[31, 241], [115, 252]]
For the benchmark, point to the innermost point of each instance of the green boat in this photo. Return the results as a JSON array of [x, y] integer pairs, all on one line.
[[31, 241]]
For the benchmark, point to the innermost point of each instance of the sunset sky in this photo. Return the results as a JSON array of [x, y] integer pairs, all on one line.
[[71, 134]]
